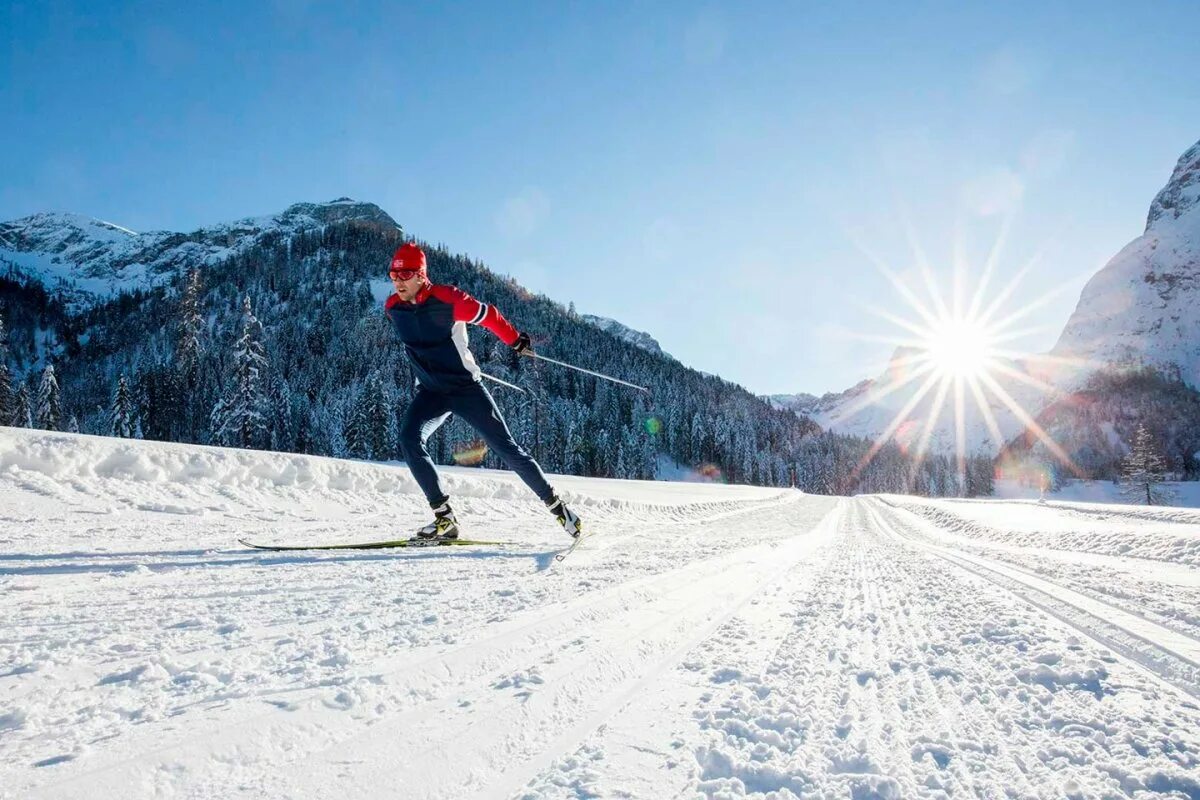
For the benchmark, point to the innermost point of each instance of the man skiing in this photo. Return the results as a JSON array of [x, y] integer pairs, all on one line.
[[431, 321]]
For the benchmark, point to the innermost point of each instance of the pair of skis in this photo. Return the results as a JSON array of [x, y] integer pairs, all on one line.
[[368, 545], [398, 543]]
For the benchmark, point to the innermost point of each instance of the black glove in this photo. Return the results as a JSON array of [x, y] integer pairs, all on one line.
[[522, 344]]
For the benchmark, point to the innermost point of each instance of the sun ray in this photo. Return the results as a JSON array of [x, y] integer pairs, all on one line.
[[989, 266], [1031, 424], [874, 396], [959, 267], [1019, 333], [1044, 299], [907, 293], [922, 264], [912, 327], [897, 421], [931, 420], [1028, 380], [1050, 358], [984, 317], [960, 434], [989, 419]]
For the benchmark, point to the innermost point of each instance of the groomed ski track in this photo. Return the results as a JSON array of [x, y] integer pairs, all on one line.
[[732, 642]]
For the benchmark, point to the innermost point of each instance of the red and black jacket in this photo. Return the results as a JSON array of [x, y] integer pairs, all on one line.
[[434, 330]]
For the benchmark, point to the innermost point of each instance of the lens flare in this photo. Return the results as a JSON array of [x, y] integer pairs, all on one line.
[[707, 473], [470, 454]]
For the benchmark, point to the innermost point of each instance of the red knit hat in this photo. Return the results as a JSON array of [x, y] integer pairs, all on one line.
[[408, 257]]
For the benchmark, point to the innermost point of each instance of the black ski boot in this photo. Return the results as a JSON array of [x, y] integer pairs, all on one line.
[[444, 525], [571, 523]]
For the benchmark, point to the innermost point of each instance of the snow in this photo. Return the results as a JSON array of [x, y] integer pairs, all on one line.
[[711, 640], [1181, 493], [89, 259], [625, 333]]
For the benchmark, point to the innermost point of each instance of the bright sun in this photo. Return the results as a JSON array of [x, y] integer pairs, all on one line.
[[959, 348], [958, 352]]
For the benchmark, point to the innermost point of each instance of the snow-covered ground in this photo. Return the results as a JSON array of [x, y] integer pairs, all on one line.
[[712, 641], [1185, 494]]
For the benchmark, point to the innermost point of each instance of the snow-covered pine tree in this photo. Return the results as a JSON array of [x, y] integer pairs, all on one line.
[[48, 412], [189, 345], [243, 421], [8, 401], [1142, 471], [189, 351], [355, 428], [370, 430], [121, 415], [23, 410], [73, 424], [282, 416], [375, 411]]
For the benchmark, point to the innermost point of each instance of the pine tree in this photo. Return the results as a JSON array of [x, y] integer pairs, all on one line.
[[355, 429], [1142, 470], [367, 429], [121, 413], [191, 328], [282, 416], [189, 348], [73, 424], [242, 421], [48, 413], [22, 411], [375, 414], [8, 402]]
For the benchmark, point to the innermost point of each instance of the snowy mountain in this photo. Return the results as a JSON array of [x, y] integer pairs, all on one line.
[[625, 333], [87, 259], [872, 407], [1143, 307]]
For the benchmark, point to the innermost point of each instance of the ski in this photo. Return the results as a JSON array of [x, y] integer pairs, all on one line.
[[368, 545], [575, 544]]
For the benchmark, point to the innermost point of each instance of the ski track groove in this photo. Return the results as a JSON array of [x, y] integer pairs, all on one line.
[[902, 670], [629, 680], [572, 743], [643, 589], [1103, 593], [1163, 663], [906, 679], [321, 626]]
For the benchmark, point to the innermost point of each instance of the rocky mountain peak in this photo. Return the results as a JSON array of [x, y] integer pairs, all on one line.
[[1143, 307], [1182, 193], [334, 211]]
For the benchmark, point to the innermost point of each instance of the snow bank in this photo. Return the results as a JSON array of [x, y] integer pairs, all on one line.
[[107, 474], [1183, 494], [1149, 532]]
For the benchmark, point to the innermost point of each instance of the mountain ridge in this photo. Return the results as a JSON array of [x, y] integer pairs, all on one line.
[[90, 259]]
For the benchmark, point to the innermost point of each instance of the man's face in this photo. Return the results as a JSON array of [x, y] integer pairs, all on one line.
[[407, 283]]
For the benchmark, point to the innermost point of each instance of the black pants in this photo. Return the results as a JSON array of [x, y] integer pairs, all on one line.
[[475, 405]]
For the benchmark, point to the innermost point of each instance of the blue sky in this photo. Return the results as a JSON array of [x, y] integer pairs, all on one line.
[[708, 173]]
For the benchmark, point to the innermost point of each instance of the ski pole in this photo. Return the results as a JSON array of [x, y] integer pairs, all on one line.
[[502, 383], [532, 354]]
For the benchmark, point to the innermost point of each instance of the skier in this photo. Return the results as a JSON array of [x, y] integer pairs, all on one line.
[[431, 321]]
